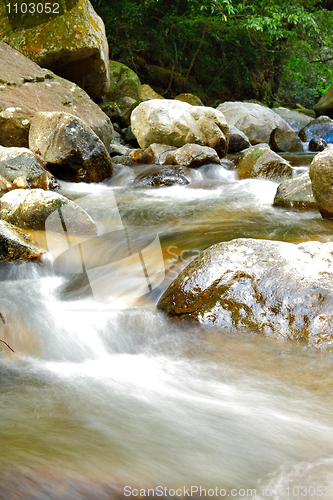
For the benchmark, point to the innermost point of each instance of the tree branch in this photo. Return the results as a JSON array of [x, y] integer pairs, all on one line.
[[4, 321], [322, 60]]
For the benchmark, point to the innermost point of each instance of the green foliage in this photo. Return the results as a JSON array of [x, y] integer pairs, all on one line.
[[224, 49]]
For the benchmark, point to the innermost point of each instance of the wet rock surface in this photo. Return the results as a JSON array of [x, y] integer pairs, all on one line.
[[317, 144], [192, 155], [321, 175], [281, 289], [70, 149], [29, 209], [261, 161], [158, 177], [15, 245], [295, 193], [294, 118]]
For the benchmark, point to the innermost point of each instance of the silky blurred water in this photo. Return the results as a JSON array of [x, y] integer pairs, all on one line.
[[128, 396]]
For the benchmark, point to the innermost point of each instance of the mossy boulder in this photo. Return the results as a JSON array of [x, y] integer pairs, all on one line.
[[29, 209], [190, 99], [321, 175], [124, 82], [280, 289], [72, 42], [261, 161], [325, 104], [15, 245], [148, 93]]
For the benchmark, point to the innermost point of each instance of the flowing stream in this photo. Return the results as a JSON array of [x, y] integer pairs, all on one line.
[[126, 397]]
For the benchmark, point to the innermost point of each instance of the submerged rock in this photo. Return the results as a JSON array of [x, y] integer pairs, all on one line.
[[29, 209], [167, 176], [70, 149], [15, 245], [295, 193], [281, 289], [176, 123], [261, 161]]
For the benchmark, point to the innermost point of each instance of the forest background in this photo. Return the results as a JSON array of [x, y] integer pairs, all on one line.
[[277, 52]]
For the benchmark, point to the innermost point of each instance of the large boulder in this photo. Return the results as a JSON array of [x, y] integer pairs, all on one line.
[[321, 175], [26, 88], [15, 245], [258, 123], [261, 161], [70, 149], [294, 118], [124, 82], [177, 123], [281, 289], [321, 127], [295, 193], [29, 209], [325, 104], [21, 162], [72, 42]]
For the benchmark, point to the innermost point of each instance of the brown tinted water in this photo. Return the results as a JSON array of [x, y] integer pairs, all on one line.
[[100, 399]]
